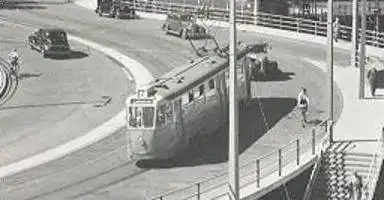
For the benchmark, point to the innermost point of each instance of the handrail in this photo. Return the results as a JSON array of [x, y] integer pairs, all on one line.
[[374, 170]]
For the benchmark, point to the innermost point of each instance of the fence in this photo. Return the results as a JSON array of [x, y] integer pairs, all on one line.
[[274, 162]]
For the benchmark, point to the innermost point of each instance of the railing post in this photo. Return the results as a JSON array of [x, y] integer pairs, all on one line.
[[298, 152], [315, 28], [313, 141], [198, 191], [280, 162], [258, 173], [298, 25]]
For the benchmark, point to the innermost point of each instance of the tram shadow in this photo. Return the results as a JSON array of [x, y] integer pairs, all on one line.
[[215, 149]]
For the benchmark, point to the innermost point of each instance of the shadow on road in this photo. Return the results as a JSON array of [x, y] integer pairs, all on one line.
[[281, 76], [28, 75], [215, 149], [14, 4], [71, 55]]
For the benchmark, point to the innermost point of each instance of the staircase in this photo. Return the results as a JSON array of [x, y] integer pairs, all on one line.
[[338, 164], [331, 181]]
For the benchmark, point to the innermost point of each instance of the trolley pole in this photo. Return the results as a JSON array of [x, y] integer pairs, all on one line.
[[233, 157], [330, 65], [354, 34], [362, 49]]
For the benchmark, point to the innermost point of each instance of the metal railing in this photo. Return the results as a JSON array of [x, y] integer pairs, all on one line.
[[299, 25], [374, 169], [271, 164]]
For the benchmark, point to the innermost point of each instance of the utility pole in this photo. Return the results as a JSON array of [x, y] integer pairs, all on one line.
[[362, 48], [354, 38], [233, 157], [330, 65], [255, 10]]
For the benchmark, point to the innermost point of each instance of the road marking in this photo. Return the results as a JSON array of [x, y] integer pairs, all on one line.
[[141, 76]]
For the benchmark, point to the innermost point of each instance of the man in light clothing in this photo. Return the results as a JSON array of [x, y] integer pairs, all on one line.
[[302, 104]]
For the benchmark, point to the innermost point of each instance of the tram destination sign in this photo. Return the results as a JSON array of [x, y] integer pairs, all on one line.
[[141, 101]]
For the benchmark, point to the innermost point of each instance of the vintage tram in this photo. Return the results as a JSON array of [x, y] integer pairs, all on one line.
[[189, 102]]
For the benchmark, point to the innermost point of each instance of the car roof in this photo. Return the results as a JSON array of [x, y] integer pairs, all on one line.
[[52, 30]]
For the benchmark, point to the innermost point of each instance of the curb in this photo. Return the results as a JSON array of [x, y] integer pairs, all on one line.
[[3, 80], [141, 76]]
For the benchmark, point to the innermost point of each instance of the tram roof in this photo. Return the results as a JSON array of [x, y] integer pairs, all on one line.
[[182, 79]]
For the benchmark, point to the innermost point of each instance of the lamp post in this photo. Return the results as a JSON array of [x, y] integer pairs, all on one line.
[[330, 66], [362, 49], [355, 34], [233, 157]]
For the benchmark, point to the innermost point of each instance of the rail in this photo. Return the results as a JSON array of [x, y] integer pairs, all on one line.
[[271, 164], [374, 169]]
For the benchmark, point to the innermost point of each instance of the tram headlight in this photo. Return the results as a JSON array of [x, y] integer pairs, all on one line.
[[142, 142]]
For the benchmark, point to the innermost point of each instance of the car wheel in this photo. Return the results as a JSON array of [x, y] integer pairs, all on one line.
[[183, 34], [166, 28], [43, 52]]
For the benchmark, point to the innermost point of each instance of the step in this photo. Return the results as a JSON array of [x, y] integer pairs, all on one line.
[[357, 164], [358, 156]]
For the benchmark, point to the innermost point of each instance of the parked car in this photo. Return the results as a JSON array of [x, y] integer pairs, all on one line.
[[260, 66], [114, 8], [184, 25], [49, 41]]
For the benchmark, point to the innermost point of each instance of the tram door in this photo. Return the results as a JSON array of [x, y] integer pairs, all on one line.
[[178, 118]]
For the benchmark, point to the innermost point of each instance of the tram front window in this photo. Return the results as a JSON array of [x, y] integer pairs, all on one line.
[[141, 117]]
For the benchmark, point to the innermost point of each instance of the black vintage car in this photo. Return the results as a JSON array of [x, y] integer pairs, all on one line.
[[115, 8], [260, 67], [184, 25], [50, 41]]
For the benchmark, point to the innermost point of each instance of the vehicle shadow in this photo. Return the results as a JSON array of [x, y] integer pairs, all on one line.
[[215, 149], [72, 55], [12, 4], [280, 76], [28, 75]]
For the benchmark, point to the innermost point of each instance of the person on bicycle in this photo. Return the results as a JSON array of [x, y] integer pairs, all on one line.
[[302, 104], [14, 57]]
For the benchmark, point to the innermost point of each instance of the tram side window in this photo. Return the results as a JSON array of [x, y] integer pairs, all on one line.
[[190, 96], [161, 116], [169, 113], [211, 84], [201, 90]]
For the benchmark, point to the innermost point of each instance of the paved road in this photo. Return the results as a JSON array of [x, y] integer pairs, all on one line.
[[102, 170], [55, 100]]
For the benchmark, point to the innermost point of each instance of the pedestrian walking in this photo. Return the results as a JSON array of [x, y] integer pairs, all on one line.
[[336, 29], [302, 104], [356, 186]]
